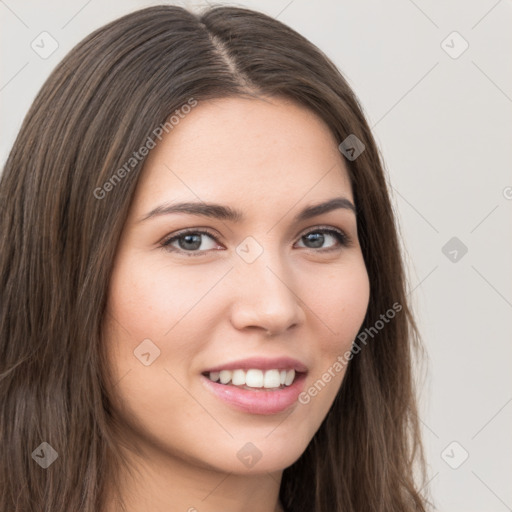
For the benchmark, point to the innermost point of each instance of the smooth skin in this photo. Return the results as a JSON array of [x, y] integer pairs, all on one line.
[[269, 158]]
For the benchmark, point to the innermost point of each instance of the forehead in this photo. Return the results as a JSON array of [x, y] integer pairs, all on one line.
[[256, 150]]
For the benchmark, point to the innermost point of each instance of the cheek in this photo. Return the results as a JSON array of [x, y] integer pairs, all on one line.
[[163, 310], [150, 300], [343, 305], [341, 310]]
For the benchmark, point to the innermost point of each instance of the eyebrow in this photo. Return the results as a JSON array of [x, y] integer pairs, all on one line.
[[222, 212]]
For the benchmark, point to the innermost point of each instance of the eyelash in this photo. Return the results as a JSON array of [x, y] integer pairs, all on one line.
[[343, 239]]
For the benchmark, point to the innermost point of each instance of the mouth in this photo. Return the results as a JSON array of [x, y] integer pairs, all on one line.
[[262, 391], [254, 379]]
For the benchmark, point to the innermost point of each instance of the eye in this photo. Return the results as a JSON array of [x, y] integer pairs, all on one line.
[[318, 236], [190, 243]]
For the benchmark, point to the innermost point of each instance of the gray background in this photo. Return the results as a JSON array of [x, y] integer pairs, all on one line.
[[443, 121]]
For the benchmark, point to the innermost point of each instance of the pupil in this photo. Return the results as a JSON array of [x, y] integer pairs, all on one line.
[[187, 240], [318, 239]]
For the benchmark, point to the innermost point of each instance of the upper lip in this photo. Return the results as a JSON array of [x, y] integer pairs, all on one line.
[[261, 363]]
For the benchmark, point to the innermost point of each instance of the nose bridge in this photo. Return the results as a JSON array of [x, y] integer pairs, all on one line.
[[266, 295]]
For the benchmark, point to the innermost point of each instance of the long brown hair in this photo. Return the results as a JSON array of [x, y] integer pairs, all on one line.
[[58, 238]]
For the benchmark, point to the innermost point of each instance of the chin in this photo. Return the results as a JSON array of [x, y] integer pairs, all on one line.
[[260, 457]]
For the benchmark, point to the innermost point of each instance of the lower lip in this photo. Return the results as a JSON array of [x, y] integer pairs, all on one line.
[[258, 401]]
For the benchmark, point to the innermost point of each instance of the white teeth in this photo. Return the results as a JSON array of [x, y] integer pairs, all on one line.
[[254, 378], [238, 378], [290, 375], [225, 376], [271, 379]]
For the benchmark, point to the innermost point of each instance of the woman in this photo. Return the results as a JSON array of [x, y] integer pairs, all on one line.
[[265, 367]]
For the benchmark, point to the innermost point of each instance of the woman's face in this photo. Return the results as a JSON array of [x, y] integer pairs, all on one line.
[[180, 308]]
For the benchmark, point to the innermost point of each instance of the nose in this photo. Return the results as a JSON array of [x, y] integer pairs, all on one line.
[[265, 298]]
